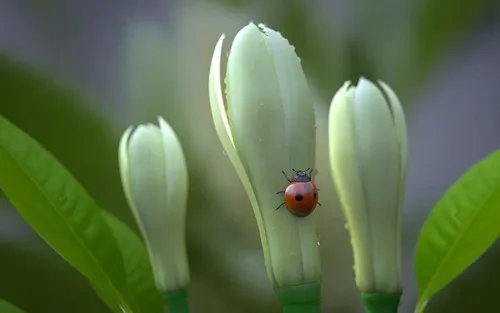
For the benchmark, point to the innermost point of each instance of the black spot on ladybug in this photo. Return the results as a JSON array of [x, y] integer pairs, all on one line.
[[315, 196], [308, 187], [299, 197]]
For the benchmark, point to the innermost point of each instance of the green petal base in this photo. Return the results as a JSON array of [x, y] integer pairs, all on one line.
[[381, 302], [176, 301], [300, 299]]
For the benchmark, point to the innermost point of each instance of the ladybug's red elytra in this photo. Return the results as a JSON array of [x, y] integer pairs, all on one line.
[[301, 194]]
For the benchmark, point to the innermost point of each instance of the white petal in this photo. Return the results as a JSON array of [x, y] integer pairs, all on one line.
[[172, 249], [146, 177], [223, 130], [217, 96], [378, 156], [400, 125], [273, 124], [124, 167], [345, 167]]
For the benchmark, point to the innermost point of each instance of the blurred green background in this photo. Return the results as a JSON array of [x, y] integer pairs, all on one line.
[[74, 74]]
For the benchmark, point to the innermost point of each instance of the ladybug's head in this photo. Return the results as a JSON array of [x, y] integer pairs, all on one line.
[[302, 176]]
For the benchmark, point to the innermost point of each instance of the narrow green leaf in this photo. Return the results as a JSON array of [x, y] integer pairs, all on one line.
[[60, 210], [137, 266], [67, 124], [7, 307], [463, 224], [107, 298]]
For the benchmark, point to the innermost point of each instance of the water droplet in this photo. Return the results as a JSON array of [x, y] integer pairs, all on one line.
[[346, 226], [224, 153], [319, 244]]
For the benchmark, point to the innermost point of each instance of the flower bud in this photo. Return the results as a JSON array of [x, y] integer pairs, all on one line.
[[155, 180], [368, 159], [265, 121]]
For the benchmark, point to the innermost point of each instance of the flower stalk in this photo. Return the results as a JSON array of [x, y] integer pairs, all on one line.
[[381, 302], [176, 301], [300, 299]]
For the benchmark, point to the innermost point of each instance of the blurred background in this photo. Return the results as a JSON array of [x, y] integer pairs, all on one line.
[[74, 74]]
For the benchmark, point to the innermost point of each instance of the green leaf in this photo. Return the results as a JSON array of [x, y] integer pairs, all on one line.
[[463, 224], [137, 266], [68, 125], [7, 307], [107, 298], [60, 210]]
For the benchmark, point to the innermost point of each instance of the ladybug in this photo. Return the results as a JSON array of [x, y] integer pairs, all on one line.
[[301, 194]]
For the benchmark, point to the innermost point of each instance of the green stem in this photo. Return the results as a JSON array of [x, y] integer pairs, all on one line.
[[176, 301], [381, 302], [300, 299]]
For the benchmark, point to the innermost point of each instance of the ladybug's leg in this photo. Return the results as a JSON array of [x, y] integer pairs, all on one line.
[[319, 204], [282, 191], [310, 172], [280, 206], [289, 180]]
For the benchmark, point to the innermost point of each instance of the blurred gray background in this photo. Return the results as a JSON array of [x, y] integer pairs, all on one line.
[[441, 57]]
